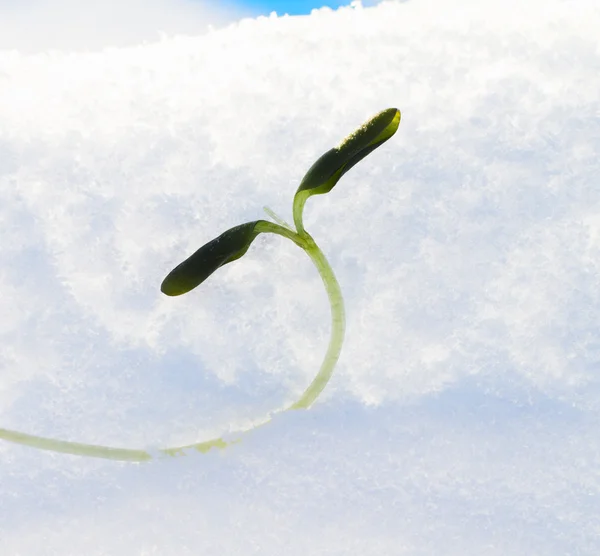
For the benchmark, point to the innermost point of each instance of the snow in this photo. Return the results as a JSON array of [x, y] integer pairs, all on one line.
[[463, 415]]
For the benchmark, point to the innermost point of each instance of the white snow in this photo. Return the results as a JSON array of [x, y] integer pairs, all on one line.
[[463, 415]]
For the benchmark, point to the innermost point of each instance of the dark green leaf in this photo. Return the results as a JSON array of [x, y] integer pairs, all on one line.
[[328, 169], [228, 247]]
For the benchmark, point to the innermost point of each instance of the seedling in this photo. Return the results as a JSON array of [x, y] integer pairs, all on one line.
[[233, 244]]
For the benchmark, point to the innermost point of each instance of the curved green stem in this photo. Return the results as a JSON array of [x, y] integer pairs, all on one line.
[[338, 324], [298, 209], [336, 302]]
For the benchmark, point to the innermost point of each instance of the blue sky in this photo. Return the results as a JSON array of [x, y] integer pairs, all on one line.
[[292, 7]]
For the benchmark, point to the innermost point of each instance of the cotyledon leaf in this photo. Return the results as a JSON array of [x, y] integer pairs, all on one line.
[[228, 247], [329, 168]]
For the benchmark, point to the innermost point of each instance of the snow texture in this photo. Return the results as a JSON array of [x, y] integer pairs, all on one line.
[[463, 415]]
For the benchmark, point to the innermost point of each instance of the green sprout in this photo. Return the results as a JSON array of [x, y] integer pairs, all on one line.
[[233, 244]]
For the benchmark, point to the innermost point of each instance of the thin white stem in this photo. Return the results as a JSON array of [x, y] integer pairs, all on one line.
[[277, 219]]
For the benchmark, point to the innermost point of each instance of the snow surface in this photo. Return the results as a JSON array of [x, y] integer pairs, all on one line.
[[463, 416]]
